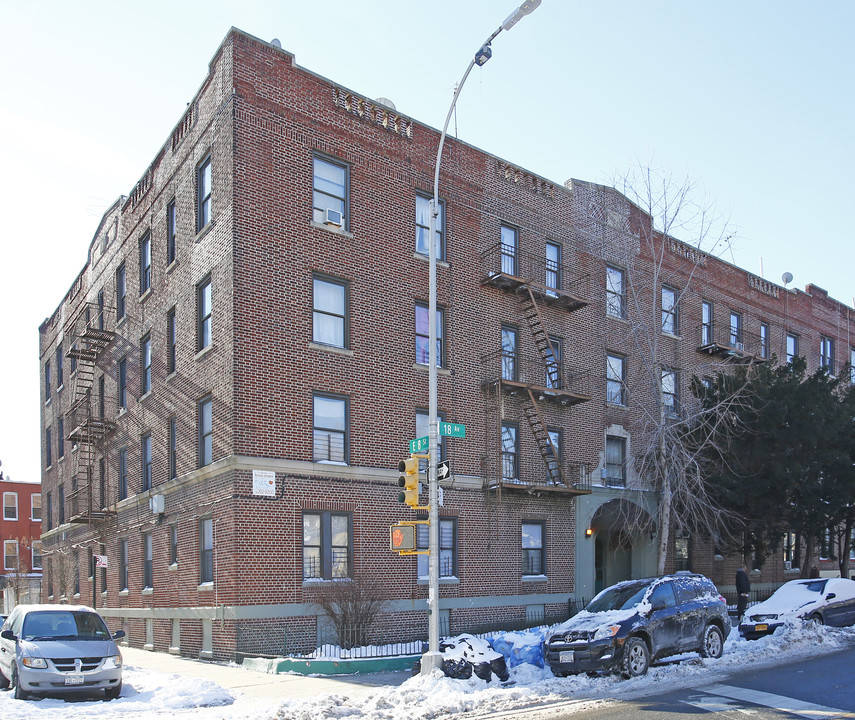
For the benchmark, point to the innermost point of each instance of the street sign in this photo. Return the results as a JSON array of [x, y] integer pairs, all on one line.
[[452, 429], [100, 561], [402, 537], [419, 445], [443, 470]]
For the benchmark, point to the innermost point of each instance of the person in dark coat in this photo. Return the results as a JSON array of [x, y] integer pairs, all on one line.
[[743, 590]]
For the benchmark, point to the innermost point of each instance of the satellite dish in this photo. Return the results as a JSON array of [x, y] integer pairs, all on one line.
[[787, 278], [275, 43]]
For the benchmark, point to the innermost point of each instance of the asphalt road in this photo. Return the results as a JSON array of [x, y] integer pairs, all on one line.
[[815, 689]]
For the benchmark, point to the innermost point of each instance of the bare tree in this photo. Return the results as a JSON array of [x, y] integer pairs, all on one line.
[[669, 239], [19, 579], [352, 606]]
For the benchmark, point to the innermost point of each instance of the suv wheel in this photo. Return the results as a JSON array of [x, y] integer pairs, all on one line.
[[636, 658], [712, 646]]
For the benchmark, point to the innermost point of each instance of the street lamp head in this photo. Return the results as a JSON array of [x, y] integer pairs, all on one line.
[[483, 55], [525, 9]]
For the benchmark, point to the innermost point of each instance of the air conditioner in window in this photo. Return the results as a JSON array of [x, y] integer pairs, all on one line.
[[788, 565], [739, 346], [332, 217]]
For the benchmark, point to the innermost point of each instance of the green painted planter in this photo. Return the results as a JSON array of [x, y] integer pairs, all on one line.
[[307, 666]]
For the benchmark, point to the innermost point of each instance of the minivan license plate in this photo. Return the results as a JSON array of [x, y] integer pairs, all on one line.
[[761, 628], [566, 656], [74, 680]]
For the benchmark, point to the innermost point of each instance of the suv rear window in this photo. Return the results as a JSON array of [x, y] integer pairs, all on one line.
[[694, 588]]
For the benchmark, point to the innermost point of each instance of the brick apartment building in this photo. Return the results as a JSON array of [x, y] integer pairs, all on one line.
[[20, 533], [231, 380]]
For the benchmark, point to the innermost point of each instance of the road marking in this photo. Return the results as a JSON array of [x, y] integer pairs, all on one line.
[[777, 702], [714, 703]]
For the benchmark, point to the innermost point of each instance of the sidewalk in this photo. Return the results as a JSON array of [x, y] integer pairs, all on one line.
[[259, 684]]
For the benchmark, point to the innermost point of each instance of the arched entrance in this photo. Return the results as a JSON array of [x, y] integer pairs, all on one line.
[[621, 550]]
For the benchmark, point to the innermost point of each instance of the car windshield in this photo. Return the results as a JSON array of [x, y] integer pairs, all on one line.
[[64, 625], [620, 597]]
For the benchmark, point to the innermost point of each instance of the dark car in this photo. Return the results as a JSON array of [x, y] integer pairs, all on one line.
[[630, 624], [830, 601]]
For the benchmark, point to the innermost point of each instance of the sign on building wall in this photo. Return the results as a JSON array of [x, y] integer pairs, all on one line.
[[264, 483]]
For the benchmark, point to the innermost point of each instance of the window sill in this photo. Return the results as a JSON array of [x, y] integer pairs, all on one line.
[[172, 568], [48, 402], [146, 591], [450, 580], [620, 406], [76, 596], [675, 336], [59, 389], [146, 396], [426, 258], [171, 266], [171, 376], [426, 368], [204, 351], [202, 232], [123, 593], [206, 587], [121, 321], [149, 647], [122, 411], [331, 229], [309, 582], [147, 294], [340, 463], [534, 578], [331, 348]]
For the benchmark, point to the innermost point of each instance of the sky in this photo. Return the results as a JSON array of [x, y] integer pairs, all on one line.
[[752, 102], [152, 695]]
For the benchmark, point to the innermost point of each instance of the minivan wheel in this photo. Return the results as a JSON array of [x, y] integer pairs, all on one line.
[[113, 692], [4, 681], [712, 645], [816, 618], [20, 693], [636, 658]]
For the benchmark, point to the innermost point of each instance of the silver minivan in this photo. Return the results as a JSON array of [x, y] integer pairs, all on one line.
[[54, 649]]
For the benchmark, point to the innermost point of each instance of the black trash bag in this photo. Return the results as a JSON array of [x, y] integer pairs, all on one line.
[[500, 667], [483, 671], [457, 669], [417, 668]]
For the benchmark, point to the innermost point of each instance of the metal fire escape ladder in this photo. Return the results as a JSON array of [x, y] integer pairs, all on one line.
[[544, 442], [531, 312], [88, 429]]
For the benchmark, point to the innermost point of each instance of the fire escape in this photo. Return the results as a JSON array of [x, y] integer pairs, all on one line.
[[86, 417], [533, 382]]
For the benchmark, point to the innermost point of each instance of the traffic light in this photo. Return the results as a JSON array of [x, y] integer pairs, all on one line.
[[409, 480]]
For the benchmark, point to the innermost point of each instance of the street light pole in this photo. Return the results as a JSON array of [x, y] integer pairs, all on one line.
[[433, 658]]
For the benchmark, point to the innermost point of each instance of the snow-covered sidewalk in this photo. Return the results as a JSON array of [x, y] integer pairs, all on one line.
[[151, 694]]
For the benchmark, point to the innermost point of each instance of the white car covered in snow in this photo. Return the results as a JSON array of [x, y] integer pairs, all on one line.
[[830, 601]]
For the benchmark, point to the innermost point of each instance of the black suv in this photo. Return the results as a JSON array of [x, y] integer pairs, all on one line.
[[630, 624]]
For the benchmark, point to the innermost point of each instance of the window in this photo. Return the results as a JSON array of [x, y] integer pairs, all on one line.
[[173, 544], [60, 501], [10, 554], [47, 382], [48, 448], [509, 452], [145, 263], [509, 353], [206, 431], [552, 360], [123, 564], [49, 518], [145, 453], [102, 482], [423, 227], [203, 194], [615, 379], [101, 305], [329, 312], [60, 437], [792, 347], [206, 550], [121, 292], [553, 453], [123, 383], [447, 548], [102, 550], [123, 473], [508, 250], [73, 358], [532, 548], [736, 330], [35, 506], [423, 335], [615, 461], [203, 314], [553, 265], [171, 341], [826, 354], [852, 365], [36, 554], [670, 318], [329, 429], [326, 545], [706, 323], [615, 292], [10, 506], [148, 573], [330, 189], [172, 448], [102, 396], [681, 551], [170, 232], [76, 571], [59, 379], [670, 391], [764, 341], [145, 362]]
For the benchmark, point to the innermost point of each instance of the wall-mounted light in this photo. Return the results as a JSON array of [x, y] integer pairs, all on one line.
[[589, 532]]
